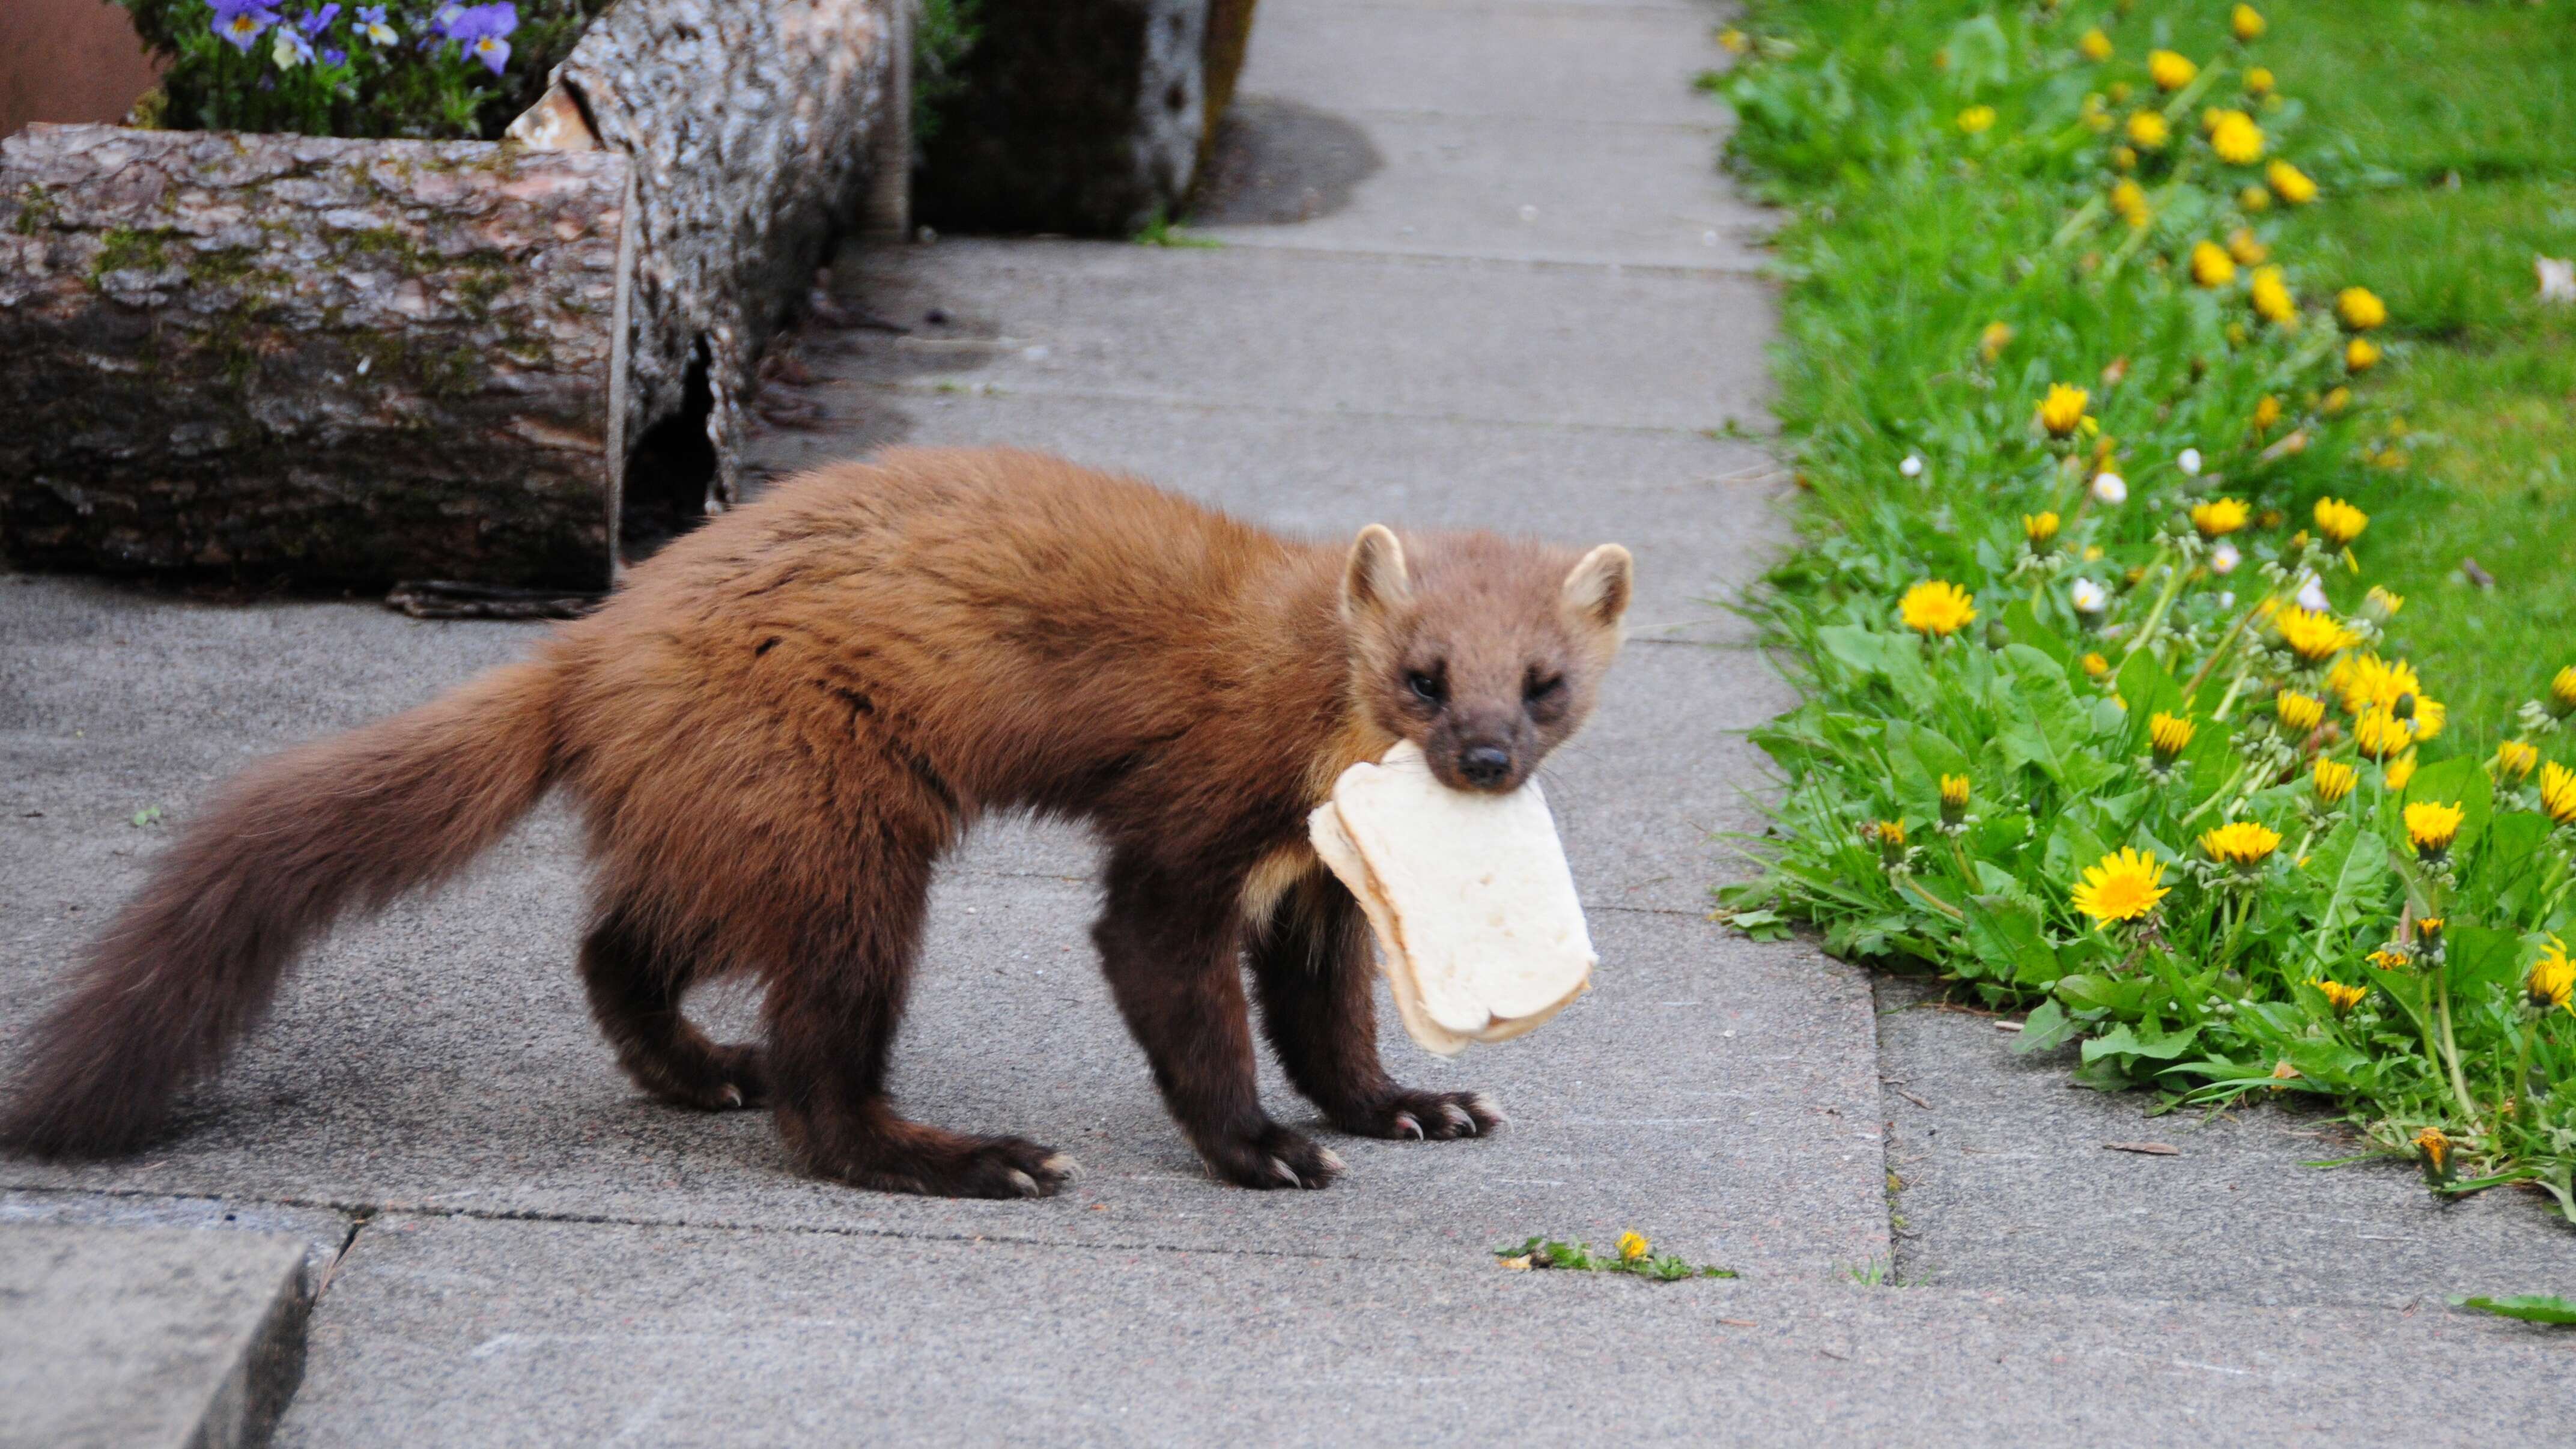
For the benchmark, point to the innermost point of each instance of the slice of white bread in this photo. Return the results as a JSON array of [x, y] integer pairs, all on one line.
[[1478, 926]]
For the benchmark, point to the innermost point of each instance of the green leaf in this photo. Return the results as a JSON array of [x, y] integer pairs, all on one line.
[[2143, 1041], [2529, 1307], [2479, 955], [2148, 689], [2004, 930], [2054, 734], [2046, 1027], [2026, 628], [2113, 994]]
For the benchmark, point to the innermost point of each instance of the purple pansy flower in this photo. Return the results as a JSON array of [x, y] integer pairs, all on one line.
[[312, 25], [239, 22], [483, 30]]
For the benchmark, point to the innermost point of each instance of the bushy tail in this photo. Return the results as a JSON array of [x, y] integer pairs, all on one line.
[[282, 852]]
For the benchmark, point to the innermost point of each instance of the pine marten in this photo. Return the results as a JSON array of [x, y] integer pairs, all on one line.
[[778, 725]]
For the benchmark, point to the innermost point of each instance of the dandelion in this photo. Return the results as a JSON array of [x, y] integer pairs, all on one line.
[[2254, 198], [2168, 735], [2126, 159], [2558, 793], [2339, 523], [2432, 826], [1734, 41], [239, 22], [2552, 982], [2110, 489], [2429, 928], [2271, 297], [1937, 607], [2244, 844], [1994, 339], [2259, 82], [2170, 71], [2382, 605], [2126, 885], [1890, 838], [2245, 23], [1633, 1246], [2333, 780], [2335, 401], [2062, 411], [2380, 734], [2389, 958], [2236, 139], [2312, 634], [2514, 761], [2088, 597], [2562, 692], [2096, 666], [2040, 529], [2224, 558], [1954, 798], [2289, 183], [2129, 199], [2147, 131], [2399, 771], [2219, 517], [2433, 1152], [2298, 713], [2361, 355], [2338, 996], [1977, 120], [2368, 681], [2211, 266], [2360, 308], [2267, 414]]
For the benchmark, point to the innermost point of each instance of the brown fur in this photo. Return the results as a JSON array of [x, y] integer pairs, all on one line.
[[779, 725]]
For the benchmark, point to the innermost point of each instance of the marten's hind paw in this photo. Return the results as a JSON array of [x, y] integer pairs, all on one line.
[[714, 1079], [1275, 1156], [1414, 1116]]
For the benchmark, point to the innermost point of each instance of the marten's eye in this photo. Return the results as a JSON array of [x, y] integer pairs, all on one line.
[[1426, 687], [1542, 689]]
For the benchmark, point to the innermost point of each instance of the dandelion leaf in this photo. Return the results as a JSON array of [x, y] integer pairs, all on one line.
[[2529, 1307]]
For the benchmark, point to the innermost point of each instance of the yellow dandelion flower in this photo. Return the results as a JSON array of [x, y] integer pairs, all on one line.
[[2126, 885], [2170, 71], [2562, 691], [2062, 411], [2245, 22], [2312, 636], [2271, 297], [2361, 355], [2514, 761], [2244, 249], [1993, 341], [1734, 41], [2126, 159], [2366, 682], [2243, 844], [2097, 666], [2335, 401], [1977, 120], [2129, 199], [2558, 793], [2259, 82], [2095, 45], [2430, 928], [2236, 139], [2333, 780], [2298, 713], [2380, 734], [2339, 523], [2267, 414], [1954, 791], [2432, 826], [1937, 607], [2211, 266], [2169, 735], [2552, 982], [2389, 958], [1633, 1246], [2254, 198], [2399, 771], [2382, 605], [2219, 517], [2289, 183], [2040, 529], [2147, 130], [2436, 1150], [2339, 996], [2360, 308]]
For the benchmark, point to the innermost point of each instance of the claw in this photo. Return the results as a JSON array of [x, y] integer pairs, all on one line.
[[1488, 1106], [1456, 1117], [732, 1095], [1062, 1166], [1027, 1185], [1285, 1173], [1406, 1125]]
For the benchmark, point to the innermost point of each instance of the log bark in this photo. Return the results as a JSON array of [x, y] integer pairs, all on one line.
[[330, 360]]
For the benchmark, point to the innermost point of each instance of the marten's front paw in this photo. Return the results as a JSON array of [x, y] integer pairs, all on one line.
[[1275, 1156], [1438, 1116]]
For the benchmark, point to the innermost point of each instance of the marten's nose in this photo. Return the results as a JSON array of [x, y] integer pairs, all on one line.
[[1484, 766]]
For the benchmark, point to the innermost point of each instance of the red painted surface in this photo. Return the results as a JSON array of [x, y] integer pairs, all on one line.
[[68, 60]]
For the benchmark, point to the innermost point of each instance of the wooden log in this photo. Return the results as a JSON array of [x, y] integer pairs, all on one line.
[[330, 360]]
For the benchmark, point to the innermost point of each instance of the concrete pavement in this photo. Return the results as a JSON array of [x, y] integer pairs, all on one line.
[[1477, 270]]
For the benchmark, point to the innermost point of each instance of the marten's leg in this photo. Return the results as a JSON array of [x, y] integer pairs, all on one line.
[[635, 990], [1313, 966], [833, 1009], [1172, 948]]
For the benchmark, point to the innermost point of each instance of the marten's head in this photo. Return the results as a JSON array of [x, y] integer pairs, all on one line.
[[1483, 651]]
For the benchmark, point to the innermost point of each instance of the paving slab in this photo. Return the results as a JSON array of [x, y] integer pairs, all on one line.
[[460, 1331], [134, 1338], [322, 1231], [2007, 1183], [1499, 342]]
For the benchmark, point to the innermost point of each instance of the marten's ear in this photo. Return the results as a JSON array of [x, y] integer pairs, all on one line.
[[1374, 581], [1598, 589]]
